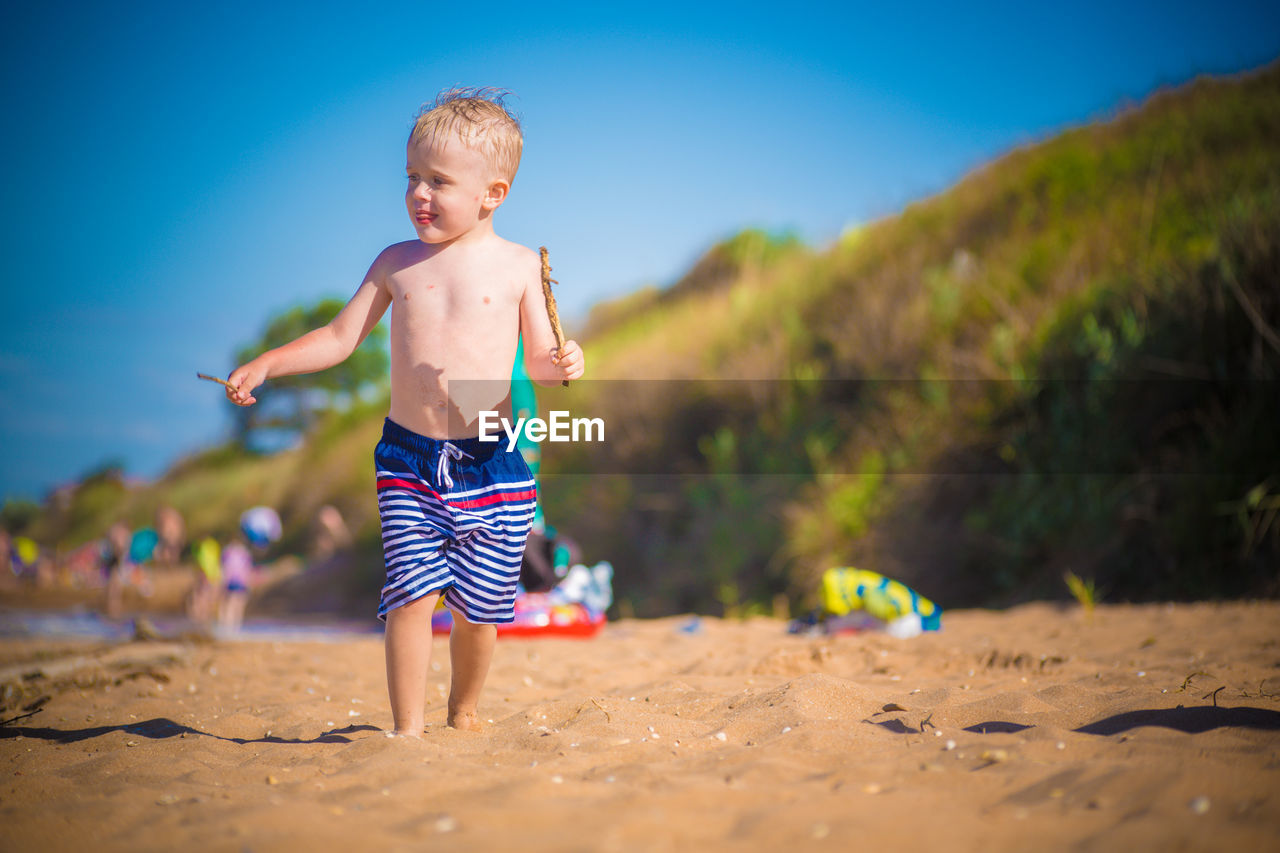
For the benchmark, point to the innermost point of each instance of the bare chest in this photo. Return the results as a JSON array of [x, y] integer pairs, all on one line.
[[428, 301]]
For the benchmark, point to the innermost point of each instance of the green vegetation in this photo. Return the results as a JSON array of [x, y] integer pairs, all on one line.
[[1083, 591], [1113, 292], [1066, 362]]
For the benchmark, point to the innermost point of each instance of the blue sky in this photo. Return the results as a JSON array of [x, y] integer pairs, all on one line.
[[179, 173]]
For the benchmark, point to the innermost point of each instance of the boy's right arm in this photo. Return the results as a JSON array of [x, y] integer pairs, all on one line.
[[320, 348]]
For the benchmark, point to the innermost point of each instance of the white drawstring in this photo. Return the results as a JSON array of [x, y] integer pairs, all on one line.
[[448, 451]]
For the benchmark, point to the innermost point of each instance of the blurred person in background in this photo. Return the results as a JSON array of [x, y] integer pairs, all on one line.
[[237, 575], [203, 599], [115, 566], [331, 533], [172, 532]]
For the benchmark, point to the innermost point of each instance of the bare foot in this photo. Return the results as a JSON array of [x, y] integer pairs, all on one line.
[[409, 733], [467, 721]]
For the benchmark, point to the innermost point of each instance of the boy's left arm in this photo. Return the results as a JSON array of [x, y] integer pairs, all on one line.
[[546, 364]]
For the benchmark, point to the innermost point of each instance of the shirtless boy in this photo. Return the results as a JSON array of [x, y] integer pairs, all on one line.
[[455, 510]]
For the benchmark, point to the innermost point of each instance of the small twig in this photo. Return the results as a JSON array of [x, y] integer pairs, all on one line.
[[20, 717], [1187, 681], [32, 709], [607, 718], [552, 313], [216, 379], [1214, 694], [927, 721]]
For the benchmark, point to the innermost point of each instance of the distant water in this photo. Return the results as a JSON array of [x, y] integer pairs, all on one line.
[[83, 623]]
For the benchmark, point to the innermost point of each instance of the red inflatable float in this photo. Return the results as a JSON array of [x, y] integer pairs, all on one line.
[[536, 616]]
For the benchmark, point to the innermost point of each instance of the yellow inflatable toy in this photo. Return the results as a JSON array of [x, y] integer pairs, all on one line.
[[847, 589]]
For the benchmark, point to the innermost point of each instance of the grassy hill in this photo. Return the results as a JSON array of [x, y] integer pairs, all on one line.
[[1067, 361]]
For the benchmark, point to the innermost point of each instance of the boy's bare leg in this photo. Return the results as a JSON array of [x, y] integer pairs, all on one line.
[[470, 653], [408, 648]]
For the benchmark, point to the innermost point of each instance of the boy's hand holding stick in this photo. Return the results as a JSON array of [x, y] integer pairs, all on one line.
[[552, 313], [231, 389], [216, 379]]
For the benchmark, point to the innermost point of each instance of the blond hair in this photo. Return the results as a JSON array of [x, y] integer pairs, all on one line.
[[480, 120]]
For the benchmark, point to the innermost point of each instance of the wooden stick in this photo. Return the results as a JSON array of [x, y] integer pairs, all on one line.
[[216, 379], [552, 313]]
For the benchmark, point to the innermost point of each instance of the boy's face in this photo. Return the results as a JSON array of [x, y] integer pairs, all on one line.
[[451, 189]]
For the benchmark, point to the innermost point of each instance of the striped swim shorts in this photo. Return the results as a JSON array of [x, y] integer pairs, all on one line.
[[455, 517]]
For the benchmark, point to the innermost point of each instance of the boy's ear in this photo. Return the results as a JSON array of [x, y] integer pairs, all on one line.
[[495, 195]]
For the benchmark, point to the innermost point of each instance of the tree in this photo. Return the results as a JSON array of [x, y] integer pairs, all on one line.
[[289, 405], [17, 514]]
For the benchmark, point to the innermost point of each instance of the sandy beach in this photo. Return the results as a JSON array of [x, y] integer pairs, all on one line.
[[1153, 727]]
